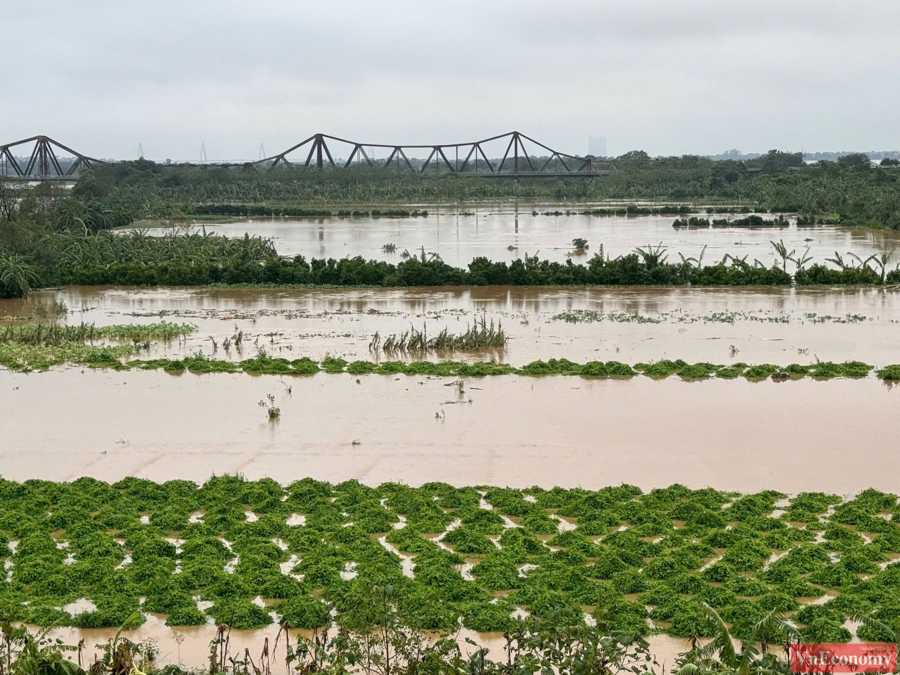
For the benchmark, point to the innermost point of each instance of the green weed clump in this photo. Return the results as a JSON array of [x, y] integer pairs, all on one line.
[[890, 373]]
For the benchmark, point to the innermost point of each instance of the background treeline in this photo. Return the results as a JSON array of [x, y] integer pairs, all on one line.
[[850, 191], [49, 234]]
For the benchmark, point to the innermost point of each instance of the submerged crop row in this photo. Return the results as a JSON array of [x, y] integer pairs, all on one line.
[[58, 334], [637, 562], [24, 358], [38, 347], [264, 364], [290, 211]]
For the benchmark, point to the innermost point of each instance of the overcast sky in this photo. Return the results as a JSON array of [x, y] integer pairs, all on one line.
[[666, 76]]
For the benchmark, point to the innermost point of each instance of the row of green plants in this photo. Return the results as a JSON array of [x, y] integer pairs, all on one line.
[[29, 357], [752, 221], [55, 334], [203, 259], [624, 210], [480, 557], [288, 211], [631, 270]]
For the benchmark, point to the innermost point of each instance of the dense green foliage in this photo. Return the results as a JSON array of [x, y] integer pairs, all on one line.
[[229, 541], [135, 258], [629, 270]]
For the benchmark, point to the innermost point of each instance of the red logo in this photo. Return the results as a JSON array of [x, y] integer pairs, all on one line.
[[836, 658]]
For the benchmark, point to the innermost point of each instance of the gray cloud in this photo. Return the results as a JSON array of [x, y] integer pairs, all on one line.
[[663, 75]]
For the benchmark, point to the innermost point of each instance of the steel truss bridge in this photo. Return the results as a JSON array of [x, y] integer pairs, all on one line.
[[43, 163], [516, 161], [523, 157]]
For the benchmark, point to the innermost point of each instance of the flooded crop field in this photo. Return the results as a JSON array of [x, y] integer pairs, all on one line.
[[535, 434], [502, 551], [581, 324], [309, 365], [507, 232]]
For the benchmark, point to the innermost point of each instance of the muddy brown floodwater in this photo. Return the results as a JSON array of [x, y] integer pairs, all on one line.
[[779, 326], [507, 232], [836, 436]]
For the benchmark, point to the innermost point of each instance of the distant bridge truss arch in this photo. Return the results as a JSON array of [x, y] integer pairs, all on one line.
[[41, 158], [44, 162], [467, 158]]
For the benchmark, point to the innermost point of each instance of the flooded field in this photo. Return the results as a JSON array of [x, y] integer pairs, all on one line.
[[516, 431], [512, 430], [506, 232], [627, 324]]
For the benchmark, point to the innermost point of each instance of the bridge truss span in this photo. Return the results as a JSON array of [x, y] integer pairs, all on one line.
[[46, 160], [522, 156]]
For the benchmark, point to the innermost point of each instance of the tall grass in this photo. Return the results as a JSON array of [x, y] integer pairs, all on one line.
[[58, 335], [478, 337]]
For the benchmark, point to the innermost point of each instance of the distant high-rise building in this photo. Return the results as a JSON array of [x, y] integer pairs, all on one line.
[[597, 146]]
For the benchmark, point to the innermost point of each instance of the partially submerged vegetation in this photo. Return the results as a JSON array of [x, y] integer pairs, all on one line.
[[39, 346], [37, 334], [635, 563], [176, 259], [197, 259], [288, 211], [722, 316], [34, 358], [752, 221], [480, 336]]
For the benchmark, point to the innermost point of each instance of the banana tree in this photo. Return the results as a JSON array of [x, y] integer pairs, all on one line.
[[698, 261], [28, 654], [782, 252], [652, 255], [837, 260], [17, 276], [804, 258], [753, 658], [862, 263], [882, 261]]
